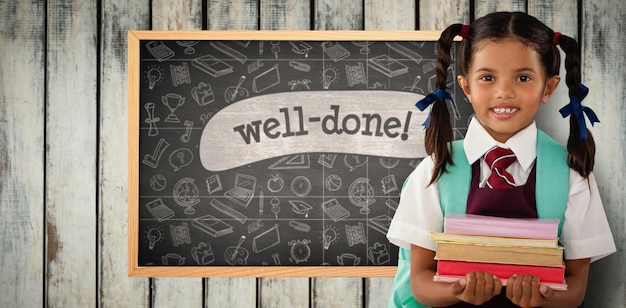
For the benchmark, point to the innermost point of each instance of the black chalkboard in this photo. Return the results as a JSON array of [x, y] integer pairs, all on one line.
[[271, 150]]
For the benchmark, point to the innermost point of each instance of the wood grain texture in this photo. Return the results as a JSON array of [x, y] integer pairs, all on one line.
[[484, 7], [230, 292], [390, 15], [22, 82], [232, 15], [285, 15], [604, 55], [71, 111], [115, 288], [177, 15], [338, 15], [438, 15]]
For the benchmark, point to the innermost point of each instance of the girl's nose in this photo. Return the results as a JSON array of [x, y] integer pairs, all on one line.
[[505, 90]]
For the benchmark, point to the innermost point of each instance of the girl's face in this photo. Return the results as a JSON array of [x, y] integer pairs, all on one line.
[[506, 83]]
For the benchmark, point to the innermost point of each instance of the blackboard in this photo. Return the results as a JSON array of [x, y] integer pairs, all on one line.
[[273, 153]]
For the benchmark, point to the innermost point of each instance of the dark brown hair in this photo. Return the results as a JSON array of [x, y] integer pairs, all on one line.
[[530, 31]]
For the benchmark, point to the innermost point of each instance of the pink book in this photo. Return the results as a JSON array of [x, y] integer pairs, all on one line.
[[559, 286], [460, 268], [471, 224]]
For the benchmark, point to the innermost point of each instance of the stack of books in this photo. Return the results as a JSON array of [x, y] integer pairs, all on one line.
[[501, 246]]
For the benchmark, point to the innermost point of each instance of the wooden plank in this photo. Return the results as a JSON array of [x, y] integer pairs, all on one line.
[[484, 7], [561, 16], [338, 15], [232, 15], [603, 58], [70, 166], [177, 15], [231, 292], [437, 15], [389, 15], [285, 15], [115, 289], [337, 292], [284, 292], [22, 148]]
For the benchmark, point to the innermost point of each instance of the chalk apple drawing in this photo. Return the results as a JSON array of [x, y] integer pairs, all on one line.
[[276, 183]]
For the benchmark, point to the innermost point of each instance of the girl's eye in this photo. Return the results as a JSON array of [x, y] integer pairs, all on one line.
[[523, 78], [486, 78]]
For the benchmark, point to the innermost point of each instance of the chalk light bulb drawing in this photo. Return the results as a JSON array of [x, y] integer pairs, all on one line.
[[328, 76], [328, 236], [153, 75], [154, 235]]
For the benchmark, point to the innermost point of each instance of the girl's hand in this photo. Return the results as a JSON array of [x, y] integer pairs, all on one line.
[[476, 288], [525, 291]]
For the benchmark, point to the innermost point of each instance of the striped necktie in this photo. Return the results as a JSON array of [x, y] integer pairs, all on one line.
[[498, 160]]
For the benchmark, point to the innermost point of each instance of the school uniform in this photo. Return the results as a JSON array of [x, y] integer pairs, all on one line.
[[585, 232]]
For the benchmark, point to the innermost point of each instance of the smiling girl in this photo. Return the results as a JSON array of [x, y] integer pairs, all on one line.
[[508, 65]]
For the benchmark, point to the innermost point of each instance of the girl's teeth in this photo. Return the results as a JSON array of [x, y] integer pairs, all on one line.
[[504, 110]]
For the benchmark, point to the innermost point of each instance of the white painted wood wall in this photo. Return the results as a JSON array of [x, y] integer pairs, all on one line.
[[63, 143]]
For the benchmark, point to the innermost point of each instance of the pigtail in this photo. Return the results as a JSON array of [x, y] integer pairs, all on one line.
[[439, 132], [581, 149]]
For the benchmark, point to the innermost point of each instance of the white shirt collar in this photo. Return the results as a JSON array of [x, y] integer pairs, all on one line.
[[478, 141]]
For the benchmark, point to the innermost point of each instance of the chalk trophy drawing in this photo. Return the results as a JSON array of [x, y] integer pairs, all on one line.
[[378, 254], [158, 182], [180, 158], [348, 259], [203, 254], [180, 74], [243, 189], [334, 210], [301, 186], [235, 93], [172, 101], [275, 183], [329, 236], [333, 182], [152, 160], [237, 255], [361, 194], [213, 184], [186, 194], [299, 251], [154, 75], [159, 210], [189, 50], [266, 240], [159, 50], [180, 234], [154, 235], [212, 226], [151, 120], [203, 94]]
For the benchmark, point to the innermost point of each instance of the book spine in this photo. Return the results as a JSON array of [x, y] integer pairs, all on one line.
[[460, 268], [499, 254]]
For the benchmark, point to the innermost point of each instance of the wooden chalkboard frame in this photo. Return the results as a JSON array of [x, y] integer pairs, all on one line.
[[134, 81]]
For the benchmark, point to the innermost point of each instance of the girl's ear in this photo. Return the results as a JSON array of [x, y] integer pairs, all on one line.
[[462, 80], [551, 85]]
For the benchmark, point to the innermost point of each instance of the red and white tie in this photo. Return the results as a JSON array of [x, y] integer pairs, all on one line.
[[498, 160]]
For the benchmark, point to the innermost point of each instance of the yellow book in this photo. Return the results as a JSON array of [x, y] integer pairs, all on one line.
[[542, 256], [493, 240]]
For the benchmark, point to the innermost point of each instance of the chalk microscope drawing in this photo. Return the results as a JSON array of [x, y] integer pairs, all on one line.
[[296, 207]]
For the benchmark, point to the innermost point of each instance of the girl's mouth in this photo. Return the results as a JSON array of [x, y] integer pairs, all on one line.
[[504, 110]]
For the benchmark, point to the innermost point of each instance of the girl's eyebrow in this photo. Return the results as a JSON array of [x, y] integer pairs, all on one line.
[[490, 70]]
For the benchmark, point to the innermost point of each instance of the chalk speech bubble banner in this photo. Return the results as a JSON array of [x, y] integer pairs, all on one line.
[[378, 123]]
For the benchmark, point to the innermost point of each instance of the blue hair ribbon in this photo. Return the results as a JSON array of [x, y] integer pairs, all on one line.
[[575, 107], [438, 94]]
